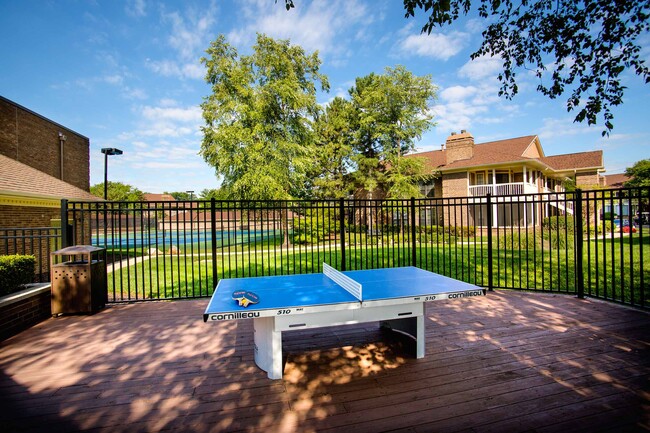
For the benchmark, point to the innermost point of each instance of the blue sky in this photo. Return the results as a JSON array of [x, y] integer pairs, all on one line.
[[127, 74]]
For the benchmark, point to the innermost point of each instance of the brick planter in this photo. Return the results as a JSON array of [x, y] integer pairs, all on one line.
[[21, 310]]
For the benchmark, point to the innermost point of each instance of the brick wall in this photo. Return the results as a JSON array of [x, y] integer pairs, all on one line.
[[456, 185], [34, 140], [459, 147], [588, 180], [23, 310], [27, 216]]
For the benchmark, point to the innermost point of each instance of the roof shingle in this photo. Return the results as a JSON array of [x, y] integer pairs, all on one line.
[[512, 150], [18, 178]]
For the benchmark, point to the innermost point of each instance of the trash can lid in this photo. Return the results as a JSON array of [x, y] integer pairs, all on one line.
[[78, 249]]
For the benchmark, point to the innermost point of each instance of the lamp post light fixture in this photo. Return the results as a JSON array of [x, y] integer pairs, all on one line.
[[191, 193], [108, 151]]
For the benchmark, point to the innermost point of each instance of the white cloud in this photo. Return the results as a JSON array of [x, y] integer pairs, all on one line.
[[436, 45], [456, 93], [316, 26], [113, 79], [462, 107], [136, 8], [171, 68], [481, 68], [130, 93], [189, 35], [552, 128], [173, 114], [168, 165]]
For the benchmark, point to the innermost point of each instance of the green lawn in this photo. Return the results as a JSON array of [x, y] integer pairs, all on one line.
[[613, 268]]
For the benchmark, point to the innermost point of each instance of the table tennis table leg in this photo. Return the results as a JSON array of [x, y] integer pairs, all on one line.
[[268, 347], [413, 326]]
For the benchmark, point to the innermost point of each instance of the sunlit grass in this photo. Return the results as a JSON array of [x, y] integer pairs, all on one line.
[[613, 268]]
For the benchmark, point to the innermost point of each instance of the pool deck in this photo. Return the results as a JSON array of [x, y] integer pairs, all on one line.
[[507, 362]]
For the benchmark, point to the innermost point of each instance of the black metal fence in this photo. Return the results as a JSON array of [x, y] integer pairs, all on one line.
[[36, 241], [585, 242]]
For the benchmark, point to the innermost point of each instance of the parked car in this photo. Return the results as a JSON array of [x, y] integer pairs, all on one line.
[[624, 226]]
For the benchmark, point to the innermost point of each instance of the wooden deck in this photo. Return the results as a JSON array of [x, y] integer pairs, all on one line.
[[507, 362]]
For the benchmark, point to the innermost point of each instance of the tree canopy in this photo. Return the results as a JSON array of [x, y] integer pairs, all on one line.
[[257, 132], [117, 191], [580, 48], [639, 173], [362, 141]]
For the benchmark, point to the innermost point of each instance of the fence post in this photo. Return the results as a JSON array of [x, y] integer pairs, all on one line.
[[64, 224], [489, 236], [413, 255], [577, 217], [342, 232], [213, 235]]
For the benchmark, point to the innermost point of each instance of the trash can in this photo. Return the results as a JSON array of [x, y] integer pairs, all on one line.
[[78, 280]]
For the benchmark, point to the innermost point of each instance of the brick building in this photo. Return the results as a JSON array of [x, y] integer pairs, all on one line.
[[512, 168], [41, 163], [47, 146]]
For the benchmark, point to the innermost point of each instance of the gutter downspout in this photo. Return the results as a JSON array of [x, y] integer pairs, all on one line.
[[62, 139]]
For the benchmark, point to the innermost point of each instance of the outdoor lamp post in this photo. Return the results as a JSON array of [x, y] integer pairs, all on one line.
[[108, 151], [191, 193]]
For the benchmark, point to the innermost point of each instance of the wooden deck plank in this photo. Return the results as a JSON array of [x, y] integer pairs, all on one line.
[[511, 361]]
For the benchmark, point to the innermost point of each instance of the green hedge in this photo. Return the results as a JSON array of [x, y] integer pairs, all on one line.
[[456, 231], [15, 271]]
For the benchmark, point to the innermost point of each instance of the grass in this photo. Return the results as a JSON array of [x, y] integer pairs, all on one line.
[[613, 268]]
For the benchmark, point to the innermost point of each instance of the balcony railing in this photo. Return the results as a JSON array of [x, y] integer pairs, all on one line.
[[515, 188]]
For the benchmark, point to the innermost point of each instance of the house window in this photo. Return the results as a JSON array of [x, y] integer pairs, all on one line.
[[502, 177], [478, 178], [428, 189], [518, 177]]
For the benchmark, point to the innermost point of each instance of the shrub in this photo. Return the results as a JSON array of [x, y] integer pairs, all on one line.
[[314, 226], [15, 271], [559, 223], [517, 241], [433, 231], [559, 240]]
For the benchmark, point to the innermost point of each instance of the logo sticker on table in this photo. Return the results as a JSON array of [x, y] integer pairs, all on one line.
[[244, 298]]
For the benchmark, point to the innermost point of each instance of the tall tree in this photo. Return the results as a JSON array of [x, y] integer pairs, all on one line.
[[391, 111], [361, 141], [639, 173], [335, 133], [117, 191], [579, 47], [214, 193], [258, 133]]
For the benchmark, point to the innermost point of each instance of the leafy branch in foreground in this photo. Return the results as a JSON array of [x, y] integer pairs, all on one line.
[[581, 47]]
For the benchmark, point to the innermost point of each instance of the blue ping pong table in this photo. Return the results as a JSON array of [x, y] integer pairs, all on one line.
[[393, 297]]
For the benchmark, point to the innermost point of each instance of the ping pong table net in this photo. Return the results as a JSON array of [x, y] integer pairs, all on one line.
[[353, 287]]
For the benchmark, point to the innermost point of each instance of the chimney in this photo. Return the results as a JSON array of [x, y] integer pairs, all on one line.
[[459, 146]]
